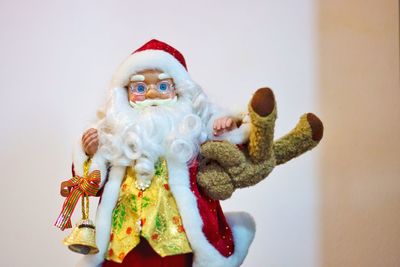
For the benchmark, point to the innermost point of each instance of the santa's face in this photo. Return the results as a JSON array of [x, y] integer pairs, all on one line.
[[151, 86]]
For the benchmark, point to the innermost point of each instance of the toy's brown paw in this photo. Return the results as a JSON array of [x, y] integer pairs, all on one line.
[[215, 182], [263, 101], [316, 125]]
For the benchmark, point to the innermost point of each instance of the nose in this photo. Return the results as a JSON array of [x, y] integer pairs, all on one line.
[[152, 93]]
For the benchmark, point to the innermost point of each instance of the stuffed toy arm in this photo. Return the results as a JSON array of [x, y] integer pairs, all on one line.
[[225, 167]]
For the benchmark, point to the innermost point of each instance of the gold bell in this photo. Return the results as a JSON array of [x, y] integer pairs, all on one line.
[[83, 237]]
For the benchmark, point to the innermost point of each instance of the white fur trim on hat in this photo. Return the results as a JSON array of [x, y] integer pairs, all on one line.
[[149, 59]]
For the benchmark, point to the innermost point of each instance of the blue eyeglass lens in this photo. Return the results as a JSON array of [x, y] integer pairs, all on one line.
[[140, 88], [163, 86]]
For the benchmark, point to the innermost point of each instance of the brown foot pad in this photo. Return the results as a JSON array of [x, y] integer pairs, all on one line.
[[263, 101], [316, 126]]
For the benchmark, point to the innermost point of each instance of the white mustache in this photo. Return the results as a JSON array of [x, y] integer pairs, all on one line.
[[153, 102]]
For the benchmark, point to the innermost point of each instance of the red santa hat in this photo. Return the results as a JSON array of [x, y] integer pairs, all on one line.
[[152, 55]]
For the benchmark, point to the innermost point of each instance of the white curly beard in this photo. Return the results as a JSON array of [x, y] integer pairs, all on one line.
[[139, 137]]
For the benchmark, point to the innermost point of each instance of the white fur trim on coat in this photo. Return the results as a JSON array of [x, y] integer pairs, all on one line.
[[104, 211], [237, 136], [205, 254], [78, 158], [98, 162]]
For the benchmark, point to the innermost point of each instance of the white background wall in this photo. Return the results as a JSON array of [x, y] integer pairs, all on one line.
[[56, 60]]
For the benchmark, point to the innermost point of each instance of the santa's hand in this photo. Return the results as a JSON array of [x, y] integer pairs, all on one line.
[[90, 141], [224, 124]]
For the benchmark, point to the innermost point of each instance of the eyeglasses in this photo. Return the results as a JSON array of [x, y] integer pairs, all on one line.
[[141, 88]]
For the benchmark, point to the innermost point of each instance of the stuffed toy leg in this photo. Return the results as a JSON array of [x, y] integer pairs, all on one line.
[[225, 167]]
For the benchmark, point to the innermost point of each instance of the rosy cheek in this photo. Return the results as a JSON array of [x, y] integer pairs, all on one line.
[[136, 98]]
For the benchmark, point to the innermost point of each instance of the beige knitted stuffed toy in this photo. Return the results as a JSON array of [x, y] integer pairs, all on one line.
[[225, 167]]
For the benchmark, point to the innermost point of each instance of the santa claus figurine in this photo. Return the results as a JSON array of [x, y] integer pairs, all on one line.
[[146, 144]]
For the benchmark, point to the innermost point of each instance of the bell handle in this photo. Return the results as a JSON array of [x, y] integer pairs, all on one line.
[[85, 207]]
